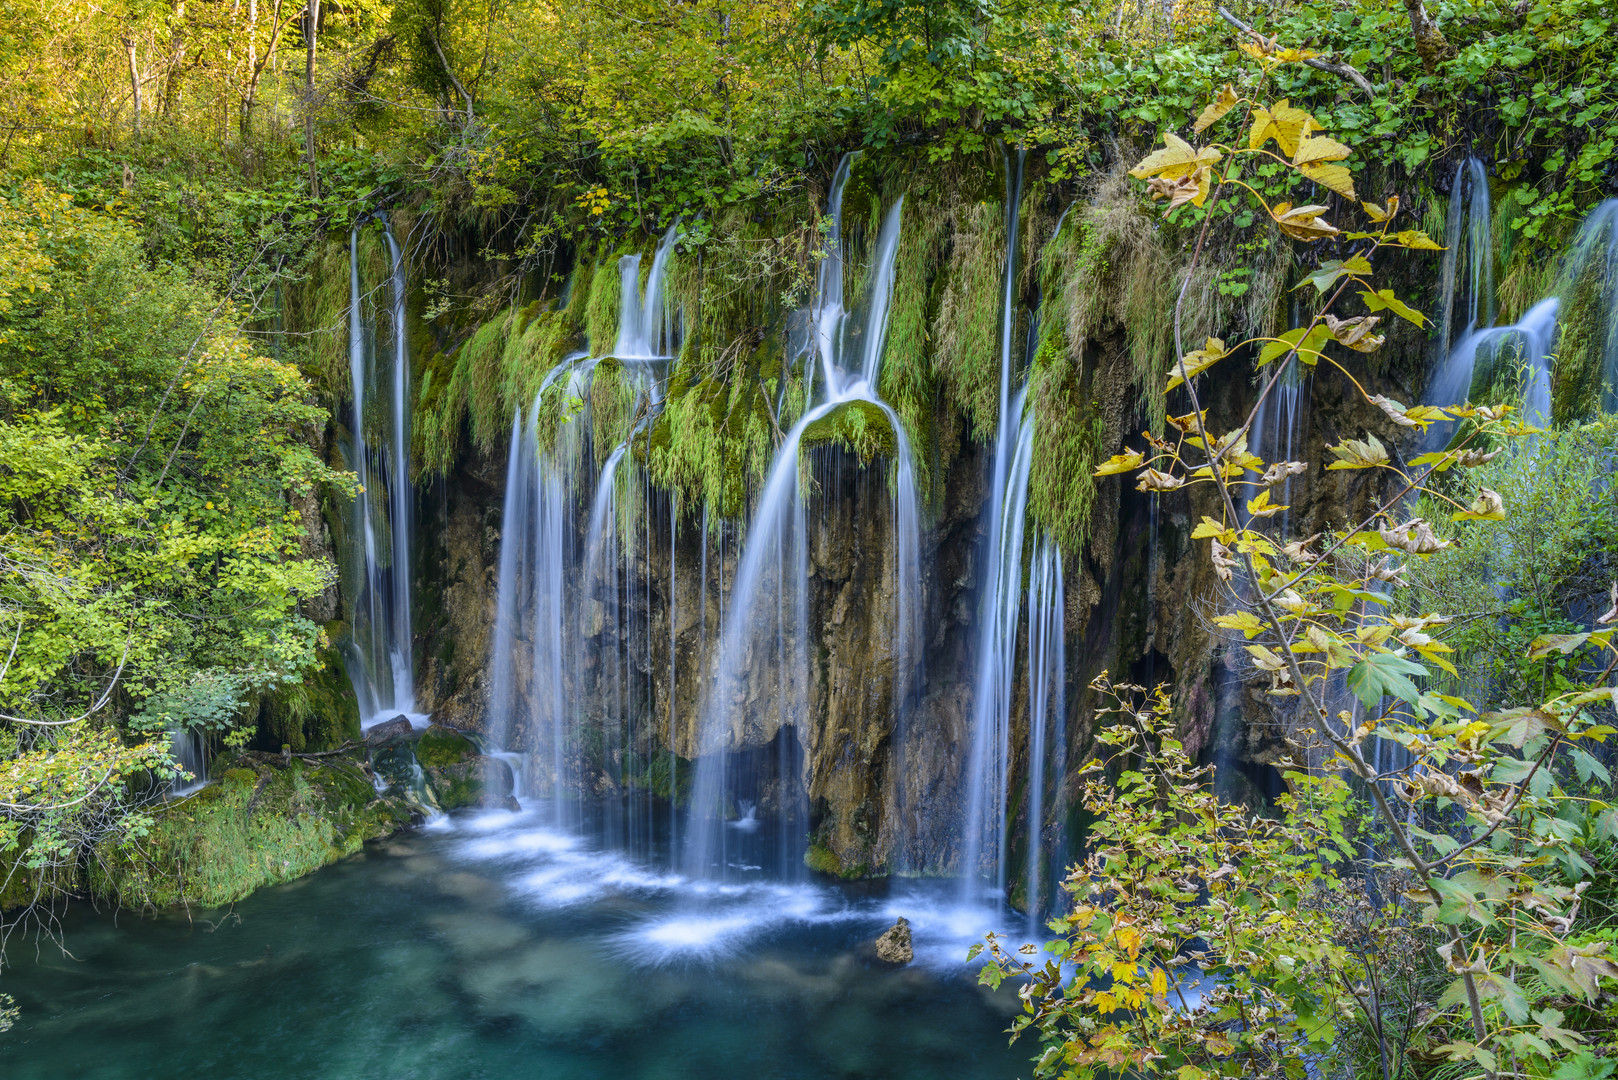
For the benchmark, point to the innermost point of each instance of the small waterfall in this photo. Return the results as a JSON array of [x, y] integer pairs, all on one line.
[[763, 635], [188, 747], [570, 671], [1047, 718], [1000, 586], [644, 328], [1526, 344], [1593, 260], [1468, 270], [382, 665]]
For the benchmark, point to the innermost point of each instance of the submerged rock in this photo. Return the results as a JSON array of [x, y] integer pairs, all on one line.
[[894, 946]]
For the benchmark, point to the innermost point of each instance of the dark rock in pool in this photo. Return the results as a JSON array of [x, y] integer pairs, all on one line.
[[460, 776], [894, 946], [388, 730]]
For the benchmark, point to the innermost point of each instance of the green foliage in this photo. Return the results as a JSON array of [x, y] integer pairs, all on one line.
[[155, 564], [1492, 816], [966, 334], [1193, 947]]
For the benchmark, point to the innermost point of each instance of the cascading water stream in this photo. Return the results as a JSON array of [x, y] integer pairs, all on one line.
[[382, 663], [766, 617], [568, 643]]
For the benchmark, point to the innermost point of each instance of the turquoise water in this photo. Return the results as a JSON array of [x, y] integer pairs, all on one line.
[[495, 946]]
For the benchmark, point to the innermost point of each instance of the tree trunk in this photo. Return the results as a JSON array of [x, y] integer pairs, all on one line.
[[313, 15], [246, 120], [176, 73], [134, 80]]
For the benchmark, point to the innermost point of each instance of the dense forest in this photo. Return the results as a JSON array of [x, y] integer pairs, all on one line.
[[1146, 465]]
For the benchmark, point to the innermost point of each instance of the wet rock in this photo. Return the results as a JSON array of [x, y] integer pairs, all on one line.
[[894, 946], [387, 730], [479, 780]]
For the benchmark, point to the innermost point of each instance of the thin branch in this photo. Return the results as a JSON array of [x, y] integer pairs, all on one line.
[[1342, 71]]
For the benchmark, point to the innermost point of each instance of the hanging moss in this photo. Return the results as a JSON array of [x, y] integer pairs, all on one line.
[[1120, 276], [611, 399], [907, 381], [601, 305], [966, 333], [1069, 435]]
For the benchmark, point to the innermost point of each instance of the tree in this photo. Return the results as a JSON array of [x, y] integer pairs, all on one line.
[[1479, 818]]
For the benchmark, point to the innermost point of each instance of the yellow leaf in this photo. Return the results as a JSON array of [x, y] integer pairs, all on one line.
[[1319, 149], [1356, 332], [1379, 214], [1415, 238], [1260, 506], [1281, 122], [1216, 109], [1354, 454], [1488, 506], [1209, 527], [1329, 174], [1128, 461], [1303, 222], [1196, 362], [1245, 621], [1177, 159], [1160, 982]]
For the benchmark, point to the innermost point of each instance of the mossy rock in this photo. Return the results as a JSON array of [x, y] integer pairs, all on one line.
[[478, 781], [823, 860], [21, 886], [318, 713], [266, 820], [859, 426], [440, 746]]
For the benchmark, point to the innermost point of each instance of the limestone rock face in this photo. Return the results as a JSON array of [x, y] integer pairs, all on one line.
[[894, 947]]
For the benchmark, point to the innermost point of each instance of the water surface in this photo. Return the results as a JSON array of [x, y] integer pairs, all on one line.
[[497, 946]]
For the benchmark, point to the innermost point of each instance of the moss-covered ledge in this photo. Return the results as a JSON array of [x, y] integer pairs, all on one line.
[[266, 819], [859, 426]]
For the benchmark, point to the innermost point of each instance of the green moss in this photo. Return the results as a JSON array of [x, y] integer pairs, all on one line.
[[318, 713], [263, 821], [966, 332], [601, 305], [857, 426], [823, 860], [907, 381], [440, 746], [1069, 434]]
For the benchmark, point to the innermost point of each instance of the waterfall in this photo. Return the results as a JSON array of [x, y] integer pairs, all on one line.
[[643, 328], [1593, 258], [189, 750], [570, 670], [1047, 708], [1000, 583], [381, 661], [765, 624]]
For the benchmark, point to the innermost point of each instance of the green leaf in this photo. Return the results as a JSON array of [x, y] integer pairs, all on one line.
[[1382, 674], [1383, 299], [1305, 341], [1328, 273]]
